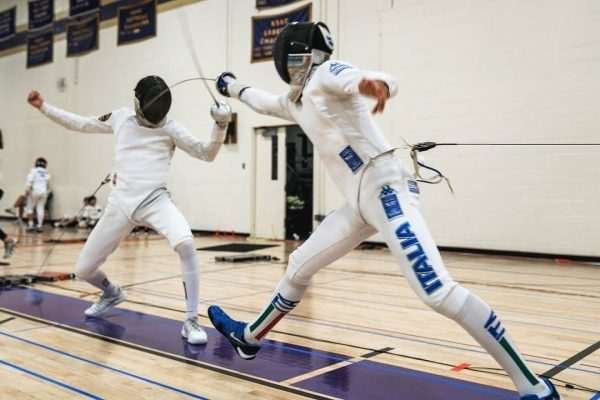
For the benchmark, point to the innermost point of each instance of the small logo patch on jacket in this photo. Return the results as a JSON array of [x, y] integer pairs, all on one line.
[[336, 67], [352, 160], [390, 202]]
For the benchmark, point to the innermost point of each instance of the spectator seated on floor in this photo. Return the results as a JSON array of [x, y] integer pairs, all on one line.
[[86, 218]]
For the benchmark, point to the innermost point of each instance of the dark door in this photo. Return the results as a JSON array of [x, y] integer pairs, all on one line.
[[299, 184]]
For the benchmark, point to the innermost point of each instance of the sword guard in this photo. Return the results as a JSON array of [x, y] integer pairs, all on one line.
[[423, 146]]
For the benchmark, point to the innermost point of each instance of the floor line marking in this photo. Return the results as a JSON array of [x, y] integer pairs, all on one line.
[[572, 360], [311, 374], [51, 380], [215, 368], [105, 366], [6, 320], [405, 337]]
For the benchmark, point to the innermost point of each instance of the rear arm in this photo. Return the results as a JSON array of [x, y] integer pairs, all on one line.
[[76, 122]]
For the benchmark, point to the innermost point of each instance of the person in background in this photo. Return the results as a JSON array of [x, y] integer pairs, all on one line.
[[9, 243], [18, 208], [36, 189], [87, 217]]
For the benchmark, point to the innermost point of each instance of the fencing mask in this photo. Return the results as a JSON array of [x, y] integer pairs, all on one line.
[[41, 162], [298, 47], [152, 100]]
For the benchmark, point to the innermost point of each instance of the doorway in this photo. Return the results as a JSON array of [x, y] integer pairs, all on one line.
[[299, 184], [283, 183]]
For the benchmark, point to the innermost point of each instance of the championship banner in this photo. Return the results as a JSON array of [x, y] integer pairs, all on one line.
[[137, 22], [82, 36], [77, 7], [7, 23], [40, 48], [266, 29], [41, 13], [273, 3]]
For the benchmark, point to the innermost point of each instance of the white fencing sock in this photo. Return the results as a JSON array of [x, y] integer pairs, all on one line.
[[189, 267], [484, 325], [40, 215], [100, 280], [286, 297]]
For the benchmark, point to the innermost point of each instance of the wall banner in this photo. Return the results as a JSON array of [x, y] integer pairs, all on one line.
[[266, 29], [78, 7], [82, 36], [40, 48], [137, 22], [273, 3], [7, 23], [41, 13]]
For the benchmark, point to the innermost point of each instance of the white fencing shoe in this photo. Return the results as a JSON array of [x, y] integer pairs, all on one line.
[[105, 304], [193, 332]]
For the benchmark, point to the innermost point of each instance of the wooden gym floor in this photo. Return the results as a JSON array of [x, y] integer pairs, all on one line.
[[359, 333]]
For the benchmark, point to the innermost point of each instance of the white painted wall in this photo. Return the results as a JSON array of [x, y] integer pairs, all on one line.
[[486, 71]]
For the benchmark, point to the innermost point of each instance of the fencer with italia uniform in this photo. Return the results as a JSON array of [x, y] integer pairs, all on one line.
[[36, 188], [326, 100], [145, 140]]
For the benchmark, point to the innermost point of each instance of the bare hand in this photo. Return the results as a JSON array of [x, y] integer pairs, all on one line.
[[377, 90], [35, 99]]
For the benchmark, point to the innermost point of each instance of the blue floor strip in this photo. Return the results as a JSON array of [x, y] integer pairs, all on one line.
[[276, 362], [53, 381], [108, 367]]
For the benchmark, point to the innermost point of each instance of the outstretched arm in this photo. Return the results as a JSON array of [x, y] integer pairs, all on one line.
[[197, 148], [259, 100], [70, 120]]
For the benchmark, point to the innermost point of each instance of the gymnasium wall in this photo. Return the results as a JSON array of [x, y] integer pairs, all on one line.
[[469, 71]]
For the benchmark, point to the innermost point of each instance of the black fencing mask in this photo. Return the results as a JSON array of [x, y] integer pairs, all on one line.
[[41, 162], [152, 100], [298, 47]]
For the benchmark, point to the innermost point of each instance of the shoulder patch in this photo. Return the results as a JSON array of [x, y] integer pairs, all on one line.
[[104, 117], [337, 67]]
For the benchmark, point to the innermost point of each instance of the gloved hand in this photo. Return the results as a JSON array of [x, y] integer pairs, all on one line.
[[221, 114], [223, 82]]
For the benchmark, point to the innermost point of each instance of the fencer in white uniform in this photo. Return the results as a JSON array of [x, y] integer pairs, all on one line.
[[145, 141], [36, 189], [326, 100]]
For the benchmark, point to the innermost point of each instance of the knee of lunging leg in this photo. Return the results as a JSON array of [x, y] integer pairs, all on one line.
[[84, 271], [186, 248], [452, 303], [297, 272]]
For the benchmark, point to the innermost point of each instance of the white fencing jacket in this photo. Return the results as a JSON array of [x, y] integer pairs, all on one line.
[[335, 117], [142, 155]]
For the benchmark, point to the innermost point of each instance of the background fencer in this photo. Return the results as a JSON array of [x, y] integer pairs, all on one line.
[[145, 140], [37, 188], [326, 99]]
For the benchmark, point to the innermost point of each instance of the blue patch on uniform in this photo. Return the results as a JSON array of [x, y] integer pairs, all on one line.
[[413, 187], [351, 159], [337, 67], [390, 202], [494, 326]]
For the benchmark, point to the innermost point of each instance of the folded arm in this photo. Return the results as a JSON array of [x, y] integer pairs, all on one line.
[[196, 148], [344, 79]]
